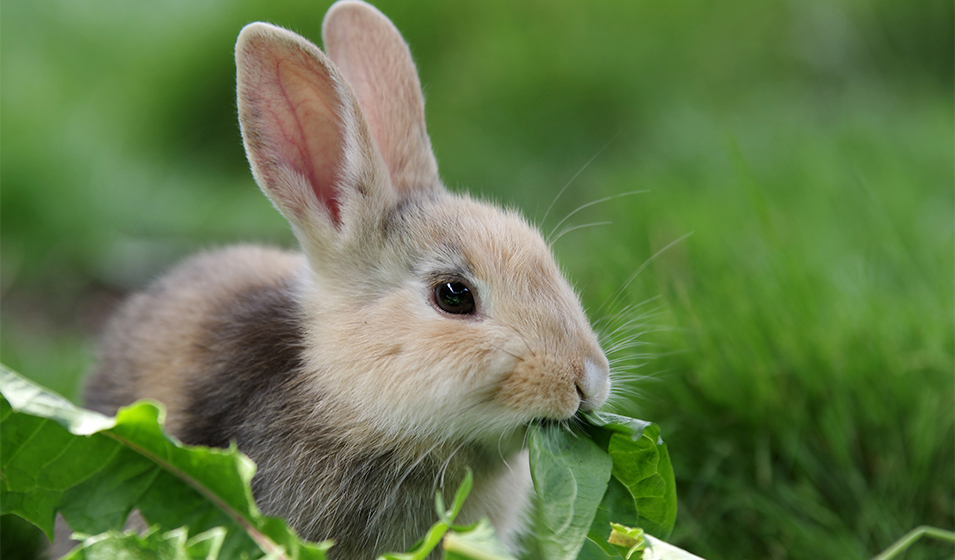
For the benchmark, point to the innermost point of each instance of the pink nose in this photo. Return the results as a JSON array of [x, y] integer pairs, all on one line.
[[594, 385]]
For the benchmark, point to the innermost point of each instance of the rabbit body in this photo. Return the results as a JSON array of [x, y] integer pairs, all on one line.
[[351, 373], [220, 341]]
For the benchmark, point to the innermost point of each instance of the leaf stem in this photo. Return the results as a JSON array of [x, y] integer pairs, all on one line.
[[914, 535], [265, 543]]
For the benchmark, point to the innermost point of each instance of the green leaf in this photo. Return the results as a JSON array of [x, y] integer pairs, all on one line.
[[659, 550], [643, 490], [630, 540], [478, 542], [616, 423], [95, 470], [570, 473], [114, 545]]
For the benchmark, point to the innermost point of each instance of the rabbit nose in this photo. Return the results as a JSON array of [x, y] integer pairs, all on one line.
[[593, 385]]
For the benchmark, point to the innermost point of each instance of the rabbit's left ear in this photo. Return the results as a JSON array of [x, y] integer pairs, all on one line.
[[375, 61]]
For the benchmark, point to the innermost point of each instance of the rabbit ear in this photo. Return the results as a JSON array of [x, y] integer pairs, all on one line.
[[304, 133], [375, 60]]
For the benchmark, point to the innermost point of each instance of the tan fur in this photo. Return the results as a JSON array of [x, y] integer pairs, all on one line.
[[336, 370]]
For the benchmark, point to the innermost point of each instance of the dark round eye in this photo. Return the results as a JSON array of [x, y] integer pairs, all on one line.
[[454, 297]]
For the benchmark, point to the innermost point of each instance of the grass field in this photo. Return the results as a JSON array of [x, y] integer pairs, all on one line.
[[800, 342]]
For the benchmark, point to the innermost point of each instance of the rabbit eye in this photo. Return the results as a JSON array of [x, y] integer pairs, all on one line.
[[454, 297]]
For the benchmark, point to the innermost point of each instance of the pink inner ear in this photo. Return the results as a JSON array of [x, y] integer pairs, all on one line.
[[293, 125], [310, 131]]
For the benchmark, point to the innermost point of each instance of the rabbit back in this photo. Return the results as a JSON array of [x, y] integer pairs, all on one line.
[[167, 340]]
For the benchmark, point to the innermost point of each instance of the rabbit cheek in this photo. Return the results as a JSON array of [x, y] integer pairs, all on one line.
[[542, 388]]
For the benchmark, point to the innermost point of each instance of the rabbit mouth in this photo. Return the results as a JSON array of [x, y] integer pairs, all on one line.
[[568, 422]]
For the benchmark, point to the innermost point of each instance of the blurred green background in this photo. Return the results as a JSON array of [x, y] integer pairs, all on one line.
[[797, 348]]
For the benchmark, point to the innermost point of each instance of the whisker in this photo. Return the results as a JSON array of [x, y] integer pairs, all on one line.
[[612, 315], [631, 324], [588, 205], [616, 295], [625, 342], [567, 230], [629, 377], [586, 165], [627, 337], [628, 361], [633, 362], [609, 317]]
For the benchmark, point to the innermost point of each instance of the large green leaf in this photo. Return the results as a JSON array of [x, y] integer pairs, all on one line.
[[608, 468], [95, 470], [570, 473], [642, 492]]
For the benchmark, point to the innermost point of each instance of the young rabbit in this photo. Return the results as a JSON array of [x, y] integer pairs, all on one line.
[[416, 334]]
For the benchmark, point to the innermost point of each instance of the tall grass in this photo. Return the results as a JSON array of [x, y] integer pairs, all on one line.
[[801, 348]]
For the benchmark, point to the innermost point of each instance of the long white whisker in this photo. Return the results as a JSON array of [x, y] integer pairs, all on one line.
[[567, 230], [586, 165], [632, 331], [633, 322], [612, 316], [587, 205], [616, 295]]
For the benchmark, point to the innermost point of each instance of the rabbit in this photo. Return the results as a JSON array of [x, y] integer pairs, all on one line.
[[416, 333]]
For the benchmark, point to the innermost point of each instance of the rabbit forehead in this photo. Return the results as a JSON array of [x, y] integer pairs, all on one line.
[[489, 245], [514, 272]]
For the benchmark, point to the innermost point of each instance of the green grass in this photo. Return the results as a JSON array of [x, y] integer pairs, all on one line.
[[801, 362]]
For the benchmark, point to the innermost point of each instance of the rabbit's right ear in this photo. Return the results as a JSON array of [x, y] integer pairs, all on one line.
[[372, 55], [307, 142]]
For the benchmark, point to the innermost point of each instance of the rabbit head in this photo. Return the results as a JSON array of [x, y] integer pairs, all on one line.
[[427, 315]]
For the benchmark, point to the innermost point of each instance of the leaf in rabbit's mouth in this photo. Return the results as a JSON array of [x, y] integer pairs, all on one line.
[[593, 469]]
